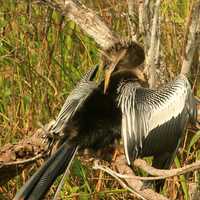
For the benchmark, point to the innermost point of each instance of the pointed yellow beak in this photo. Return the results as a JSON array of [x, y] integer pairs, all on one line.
[[111, 68], [108, 73]]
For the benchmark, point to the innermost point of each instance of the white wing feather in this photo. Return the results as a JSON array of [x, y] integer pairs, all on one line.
[[144, 110]]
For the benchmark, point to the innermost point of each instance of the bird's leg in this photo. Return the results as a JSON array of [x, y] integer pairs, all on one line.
[[118, 151], [115, 154]]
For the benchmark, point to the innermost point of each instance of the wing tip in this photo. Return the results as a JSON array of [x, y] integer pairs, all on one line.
[[128, 159], [130, 154]]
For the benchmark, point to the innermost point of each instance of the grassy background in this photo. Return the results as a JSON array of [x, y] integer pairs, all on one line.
[[42, 55]]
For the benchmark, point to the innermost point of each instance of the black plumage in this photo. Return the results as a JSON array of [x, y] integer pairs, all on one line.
[[150, 122], [83, 122]]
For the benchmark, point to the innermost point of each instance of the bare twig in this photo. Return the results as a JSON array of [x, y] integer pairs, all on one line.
[[87, 20], [157, 54], [158, 173], [24, 161], [136, 186], [140, 17], [122, 183], [149, 28], [193, 38], [135, 181], [148, 193], [162, 174]]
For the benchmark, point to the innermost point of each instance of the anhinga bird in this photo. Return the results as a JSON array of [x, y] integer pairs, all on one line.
[[150, 122]]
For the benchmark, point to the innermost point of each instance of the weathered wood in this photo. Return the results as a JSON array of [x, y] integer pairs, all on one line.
[[153, 45], [15, 157], [87, 20], [192, 38], [135, 186]]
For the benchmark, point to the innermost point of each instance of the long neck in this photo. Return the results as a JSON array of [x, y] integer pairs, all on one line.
[[122, 76]]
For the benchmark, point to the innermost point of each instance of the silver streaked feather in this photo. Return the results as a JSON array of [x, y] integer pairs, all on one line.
[[75, 100], [143, 110]]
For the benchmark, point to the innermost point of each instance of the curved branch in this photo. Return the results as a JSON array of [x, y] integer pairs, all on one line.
[[163, 174], [87, 20], [158, 173], [134, 186]]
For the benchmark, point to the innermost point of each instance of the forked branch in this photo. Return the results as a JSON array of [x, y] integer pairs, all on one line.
[[135, 186], [135, 182]]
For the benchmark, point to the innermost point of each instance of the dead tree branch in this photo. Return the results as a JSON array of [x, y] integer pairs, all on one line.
[[133, 185], [144, 14], [157, 173], [193, 38], [135, 182], [16, 157], [121, 182], [162, 174], [131, 4], [87, 20], [150, 59]]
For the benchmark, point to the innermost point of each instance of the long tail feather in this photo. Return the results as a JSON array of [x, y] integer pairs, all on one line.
[[63, 178], [42, 180]]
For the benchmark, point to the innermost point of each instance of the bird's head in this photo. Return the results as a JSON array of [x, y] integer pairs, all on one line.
[[122, 57]]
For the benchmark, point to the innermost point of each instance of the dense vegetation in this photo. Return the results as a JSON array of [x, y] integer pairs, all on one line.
[[42, 55]]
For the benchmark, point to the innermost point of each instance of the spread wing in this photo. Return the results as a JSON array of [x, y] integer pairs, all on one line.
[[156, 112], [75, 100]]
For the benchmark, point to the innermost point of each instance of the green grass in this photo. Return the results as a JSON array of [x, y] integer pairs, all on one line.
[[43, 55]]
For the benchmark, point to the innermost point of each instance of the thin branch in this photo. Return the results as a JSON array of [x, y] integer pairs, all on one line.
[[193, 38], [24, 161], [162, 174], [157, 48], [122, 183], [159, 173], [136, 188], [87, 20]]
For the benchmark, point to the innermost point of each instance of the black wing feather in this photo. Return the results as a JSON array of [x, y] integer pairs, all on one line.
[[75, 100]]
